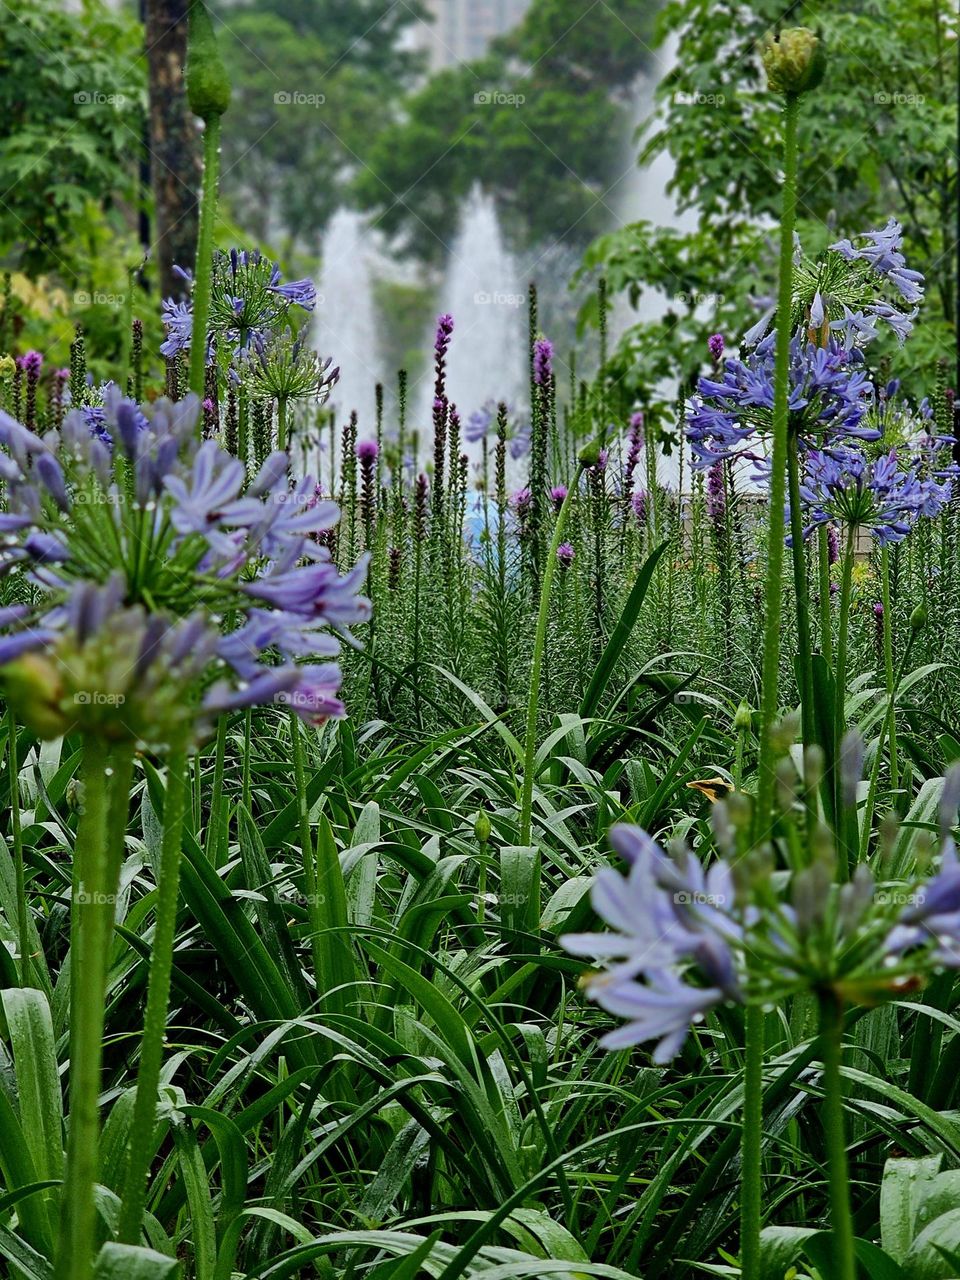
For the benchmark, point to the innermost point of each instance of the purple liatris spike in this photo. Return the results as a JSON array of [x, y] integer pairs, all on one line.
[[542, 361], [557, 495], [367, 451], [565, 554], [715, 346], [639, 504], [716, 494]]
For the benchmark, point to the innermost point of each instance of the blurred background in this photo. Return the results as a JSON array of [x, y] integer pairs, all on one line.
[[419, 156]]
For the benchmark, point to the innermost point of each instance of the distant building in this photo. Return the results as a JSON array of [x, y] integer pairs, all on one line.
[[462, 29]]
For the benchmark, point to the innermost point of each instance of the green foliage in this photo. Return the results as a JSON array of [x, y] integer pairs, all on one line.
[[308, 96], [71, 114], [876, 136]]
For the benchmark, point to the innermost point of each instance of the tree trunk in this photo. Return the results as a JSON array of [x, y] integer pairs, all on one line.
[[174, 151]]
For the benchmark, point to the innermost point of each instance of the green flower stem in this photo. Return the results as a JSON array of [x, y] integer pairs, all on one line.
[[95, 882], [306, 853], [203, 275], [533, 699], [140, 1146], [778, 474], [247, 745], [888, 662], [23, 937], [214, 830], [751, 1185], [887, 730], [841, 1221], [798, 556], [826, 617], [846, 591], [281, 422]]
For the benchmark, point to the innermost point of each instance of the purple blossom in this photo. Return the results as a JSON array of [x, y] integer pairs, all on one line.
[[829, 394], [368, 450], [715, 346], [557, 495], [565, 555], [843, 486], [542, 361]]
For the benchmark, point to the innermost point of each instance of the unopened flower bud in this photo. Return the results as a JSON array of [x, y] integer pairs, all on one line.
[[743, 720], [794, 60], [481, 827], [589, 455], [208, 85], [34, 689], [918, 619]]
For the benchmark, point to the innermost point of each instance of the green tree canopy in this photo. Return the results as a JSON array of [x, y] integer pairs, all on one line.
[[71, 116]]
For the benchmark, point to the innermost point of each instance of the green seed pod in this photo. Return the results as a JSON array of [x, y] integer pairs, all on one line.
[[794, 60], [208, 85]]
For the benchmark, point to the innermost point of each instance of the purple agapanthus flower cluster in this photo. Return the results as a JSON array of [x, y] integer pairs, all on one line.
[[684, 938], [677, 931], [881, 250], [175, 531], [844, 487], [829, 393], [249, 303]]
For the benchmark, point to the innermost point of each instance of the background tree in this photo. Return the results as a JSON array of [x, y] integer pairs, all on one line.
[[173, 151], [71, 112]]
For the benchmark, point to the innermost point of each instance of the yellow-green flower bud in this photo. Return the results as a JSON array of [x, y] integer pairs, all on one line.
[[743, 720], [918, 619], [482, 828], [8, 367], [208, 85], [794, 60], [34, 689]]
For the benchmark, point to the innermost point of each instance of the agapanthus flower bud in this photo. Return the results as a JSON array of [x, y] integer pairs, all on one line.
[[208, 85], [715, 346], [794, 60]]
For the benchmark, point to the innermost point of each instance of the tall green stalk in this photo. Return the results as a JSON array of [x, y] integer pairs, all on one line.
[[826, 617], [97, 860], [888, 662], [841, 1220], [140, 1143], [13, 764], [778, 473], [203, 275], [539, 644], [751, 1186], [798, 556]]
